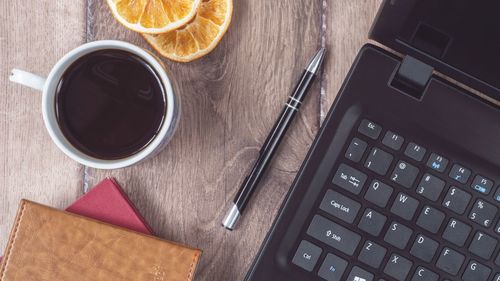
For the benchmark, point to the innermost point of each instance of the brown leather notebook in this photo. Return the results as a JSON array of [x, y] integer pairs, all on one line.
[[47, 245]]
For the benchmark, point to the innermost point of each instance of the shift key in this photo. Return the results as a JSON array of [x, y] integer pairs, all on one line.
[[334, 235]]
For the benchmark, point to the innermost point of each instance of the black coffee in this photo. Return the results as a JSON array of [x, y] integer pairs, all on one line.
[[110, 104]]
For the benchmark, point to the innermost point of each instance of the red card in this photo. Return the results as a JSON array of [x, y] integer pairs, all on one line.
[[108, 203]]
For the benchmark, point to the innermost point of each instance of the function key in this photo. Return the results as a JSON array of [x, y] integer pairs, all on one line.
[[476, 272], [460, 173], [483, 213], [392, 140], [369, 129], [356, 150], [372, 254], [483, 245], [415, 151], [482, 184], [349, 179], [497, 196], [457, 200], [398, 267], [307, 255], [450, 261], [359, 274], [437, 162], [333, 268], [378, 161], [404, 174]]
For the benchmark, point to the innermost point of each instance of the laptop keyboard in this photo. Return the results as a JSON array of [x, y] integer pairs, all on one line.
[[396, 211]]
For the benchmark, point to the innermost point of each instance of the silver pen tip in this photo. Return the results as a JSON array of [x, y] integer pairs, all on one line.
[[316, 61], [231, 218]]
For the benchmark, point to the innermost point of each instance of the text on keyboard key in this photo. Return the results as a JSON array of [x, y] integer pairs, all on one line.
[[456, 200], [372, 222], [430, 187], [333, 235], [437, 162], [457, 232], [404, 174], [372, 254], [398, 267], [393, 140], [475, 271], [415, 151], [424, 248], [378, 161], [460, 173], [404, 206], [482, 184], [483, 245], [340, 206], [483, 213], [356, 150], [424, 274], [398, 235], [307, 255], [378, 193], [430, 219], [450, 261], [369, 129], [333, 268], [349, 179]]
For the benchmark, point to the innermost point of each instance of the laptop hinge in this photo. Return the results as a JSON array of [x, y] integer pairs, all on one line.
[[412, 76]]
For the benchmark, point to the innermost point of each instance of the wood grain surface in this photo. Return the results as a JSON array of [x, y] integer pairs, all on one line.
[[230, 100]]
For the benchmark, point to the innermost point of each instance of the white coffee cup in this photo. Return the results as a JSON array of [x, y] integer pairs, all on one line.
[[48, 86]]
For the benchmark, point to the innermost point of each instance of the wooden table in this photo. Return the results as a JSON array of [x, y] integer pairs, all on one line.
[[230, 100]]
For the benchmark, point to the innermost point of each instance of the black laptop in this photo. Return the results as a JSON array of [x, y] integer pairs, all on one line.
[[402, 181]]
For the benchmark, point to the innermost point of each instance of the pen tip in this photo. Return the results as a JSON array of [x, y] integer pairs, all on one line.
[[317, 61]]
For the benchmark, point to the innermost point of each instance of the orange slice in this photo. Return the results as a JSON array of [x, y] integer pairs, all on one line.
[[153, 16], [199, 37]]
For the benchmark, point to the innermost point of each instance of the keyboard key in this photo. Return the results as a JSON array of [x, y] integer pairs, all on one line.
[[430, 219], [497, 277], [372, 222], [349, 179], [340, 206], [497, 228], [457, 232], [483, 213], [483, 245], [460, 173], [356, 150], [378, 161], [372, 254], [404, 174], [398, 235], [404, 206], [476, 272], [430, 187], [482, 184], [450, 261], [392, 140], [369, 129], [334, 235], [424, 274], [457, 200], [497, 195], [437, 162], [307, 255], [378, 193], [415, 151], [333, 268], [424, 248], [359, 274], [398, 267]]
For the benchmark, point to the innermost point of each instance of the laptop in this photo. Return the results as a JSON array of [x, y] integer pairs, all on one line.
[[402, 181]]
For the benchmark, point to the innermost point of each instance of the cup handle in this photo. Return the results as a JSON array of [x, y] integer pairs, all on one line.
[[27, 79]]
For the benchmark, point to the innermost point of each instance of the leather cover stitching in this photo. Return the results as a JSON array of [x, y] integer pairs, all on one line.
[[3, 270]]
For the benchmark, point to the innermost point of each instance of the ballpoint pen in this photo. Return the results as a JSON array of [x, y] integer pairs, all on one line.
[[273, 140]]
